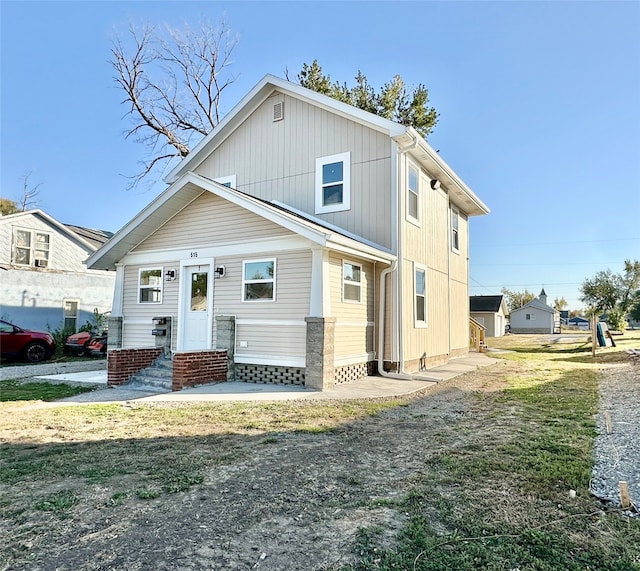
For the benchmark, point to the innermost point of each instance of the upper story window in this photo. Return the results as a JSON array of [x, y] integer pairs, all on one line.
[[259, 280], [413, 194], [150, 285], [333, 183], [455, 235], [31, 248], [420, 296], [228, 181], [530, 316], [351, 282]]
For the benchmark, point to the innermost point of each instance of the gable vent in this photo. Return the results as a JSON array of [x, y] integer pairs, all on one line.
[[278, 111]]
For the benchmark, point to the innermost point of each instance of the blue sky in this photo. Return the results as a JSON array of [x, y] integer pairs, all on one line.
[[539, 108]]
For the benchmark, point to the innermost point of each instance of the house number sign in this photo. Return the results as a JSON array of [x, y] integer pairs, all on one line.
[[194, 254]]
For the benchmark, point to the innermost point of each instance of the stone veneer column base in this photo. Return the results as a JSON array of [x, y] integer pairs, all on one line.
[[319, 370]]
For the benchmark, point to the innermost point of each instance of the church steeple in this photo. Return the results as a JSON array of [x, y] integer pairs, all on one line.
[[543, 297]]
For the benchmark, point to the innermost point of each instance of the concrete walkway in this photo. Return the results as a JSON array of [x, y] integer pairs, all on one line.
[[367, 387]]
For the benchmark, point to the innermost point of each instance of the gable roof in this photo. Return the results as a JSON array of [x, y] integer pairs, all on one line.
[[537, 304], [95, 237], [485, 303], [406, 137], [89, 238], [191, 185]]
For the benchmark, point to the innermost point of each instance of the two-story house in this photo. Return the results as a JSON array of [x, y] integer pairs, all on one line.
[[302, 241], [43, 276]]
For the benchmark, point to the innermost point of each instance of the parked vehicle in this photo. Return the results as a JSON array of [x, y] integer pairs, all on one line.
[[97, 347], [76, 344], [24, 344]]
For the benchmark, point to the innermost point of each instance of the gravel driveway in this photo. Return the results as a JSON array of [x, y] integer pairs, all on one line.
[[617, 455], [24, 371]]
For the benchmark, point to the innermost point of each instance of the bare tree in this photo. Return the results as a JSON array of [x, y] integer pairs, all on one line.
[[28, 199], [173, 82]]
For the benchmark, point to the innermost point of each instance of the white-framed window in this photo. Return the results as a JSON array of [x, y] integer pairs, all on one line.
[[351, 282], [70, 313], [259, 280], [150, 285], [31, 248], [530, 316], [229, 181], [420, 295], [455, 229], [413, 194], [333, 183]]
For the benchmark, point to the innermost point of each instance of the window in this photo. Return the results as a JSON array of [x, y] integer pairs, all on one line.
[[420, 295], [333, 183], [259, 280], [228, 181], [31, 248], [199, 291], [150, 285], [413, 194], [70, 310], [530, 316], [455, 238], [351, 282]]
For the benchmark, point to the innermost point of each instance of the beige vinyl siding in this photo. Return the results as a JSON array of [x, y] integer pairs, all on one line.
[[271, 339], [428, 245], [211, 220], [265, 335], [276, 161], [459, 315], [354, 329], [135, 333], [433, 339], [460, 288], [459, 265]]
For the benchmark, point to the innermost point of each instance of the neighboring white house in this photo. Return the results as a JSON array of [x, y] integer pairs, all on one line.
[[490, 311], [44, 281], [535, 317], [303, 240]]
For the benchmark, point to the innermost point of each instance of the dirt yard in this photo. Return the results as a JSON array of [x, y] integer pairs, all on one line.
[[282, 501]]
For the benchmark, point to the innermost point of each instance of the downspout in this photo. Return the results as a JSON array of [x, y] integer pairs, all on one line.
[[449, 249], [400, 316], [382, 292]]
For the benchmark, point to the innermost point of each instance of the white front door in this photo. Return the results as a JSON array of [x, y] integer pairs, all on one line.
[[196, 307]]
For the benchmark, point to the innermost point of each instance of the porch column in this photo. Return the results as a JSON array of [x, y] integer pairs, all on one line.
[[320, 297], [225, 341], [114, 331], [319, 371]]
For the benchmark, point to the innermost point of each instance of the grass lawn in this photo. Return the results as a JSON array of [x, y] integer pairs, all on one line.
[[14, 390], [496, 498], [507, 506]]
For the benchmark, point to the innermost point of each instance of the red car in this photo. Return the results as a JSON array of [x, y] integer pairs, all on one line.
[[18, 343]]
